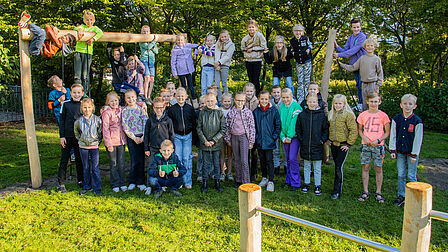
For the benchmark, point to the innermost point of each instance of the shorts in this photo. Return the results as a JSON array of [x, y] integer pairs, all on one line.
[[149, 68], [376, 153]]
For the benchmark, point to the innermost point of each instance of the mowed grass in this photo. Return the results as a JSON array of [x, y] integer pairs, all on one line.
[[47, 220]]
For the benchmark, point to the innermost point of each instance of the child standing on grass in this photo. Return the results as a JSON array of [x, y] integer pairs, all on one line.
[[343, 134], [114, 141], [136, 69], [200, 160], [289, 111], [133, 119], [207, 63], [226, 151], [253, 45], [370, 68], [374, 128], [405, 142], [276, 101], [84, 50], [223, 58], [267, 127], [281, 57], [211, 130], [301, 49], [88, 129], [252, 103], [240, 135], [183, 117], [70, 112], [312, 133], [148, 56], [166, 170], [182, 64], [354, 49], [58, 95]]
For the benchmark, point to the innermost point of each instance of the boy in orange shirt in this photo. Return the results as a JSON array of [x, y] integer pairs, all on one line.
[[374, 128]]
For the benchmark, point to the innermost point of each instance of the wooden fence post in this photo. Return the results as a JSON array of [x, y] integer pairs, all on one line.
[[28, 113], [416, 234], [249, 196], [328, 62]]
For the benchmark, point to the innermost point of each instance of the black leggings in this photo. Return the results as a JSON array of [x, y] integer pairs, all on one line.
[[187, 79], [253, 72], [339, 157], [266, 164]]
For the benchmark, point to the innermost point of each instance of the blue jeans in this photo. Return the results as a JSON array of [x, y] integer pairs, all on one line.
[[207, 77], [157, 183], [358, 85], [183, 150], [317, 171], [37, 42], [404, 160], [91, 169], [288, 83], [82, 62], [222, 76]]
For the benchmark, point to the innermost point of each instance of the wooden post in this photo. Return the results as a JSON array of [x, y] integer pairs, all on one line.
[[416, 234], [328, 63], [28, 114], [249, 196]]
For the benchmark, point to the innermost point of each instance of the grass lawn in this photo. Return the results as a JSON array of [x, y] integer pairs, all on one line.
[[47, 220]]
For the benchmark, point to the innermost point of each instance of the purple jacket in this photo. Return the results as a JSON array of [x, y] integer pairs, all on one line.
[[181, 59], [353, 47], [138, 79]]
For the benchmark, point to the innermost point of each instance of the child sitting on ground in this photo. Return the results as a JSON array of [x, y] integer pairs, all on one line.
[[240, 135], [84, 50], [148, 57], [136, 69], [133, 121], [39, 45], [374, 128], [183, 117], [207, 63], [312, 133], [88, 130], [166, 170], [58, 95], [276, 101], [226, 151], [211, 130], [267, 127], [370, 69], [406, 136], [343, 133], [70, 112]]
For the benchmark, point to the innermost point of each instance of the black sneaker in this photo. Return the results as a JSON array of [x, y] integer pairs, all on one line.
[[305, 188], [317, 190], [399, 201], [99, 193]]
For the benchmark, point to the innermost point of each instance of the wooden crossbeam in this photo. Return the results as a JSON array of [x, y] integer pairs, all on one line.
[[117, 37]]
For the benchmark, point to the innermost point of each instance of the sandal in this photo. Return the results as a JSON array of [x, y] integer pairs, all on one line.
[[379, 198], [363, 197]]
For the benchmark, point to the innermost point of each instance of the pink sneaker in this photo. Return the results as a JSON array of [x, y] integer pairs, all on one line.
[[24, 18]]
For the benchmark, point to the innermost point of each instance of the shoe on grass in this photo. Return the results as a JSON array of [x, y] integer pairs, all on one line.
[[83, 191], [222, 177], [116, 189], [335, 196], [176, 193], [305, 188], [199, 179], [158, 194], [264, 182], [148, 190], [72, 157], [124, 188], [270, 187], [188, 186], [230, 177], [62, 189], [99, 193], [399, 201], [141, 187], [317, 190], [131, 187]]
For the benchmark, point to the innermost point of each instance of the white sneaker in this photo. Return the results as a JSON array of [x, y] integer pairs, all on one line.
[[116, 189], [164, 188], [359, 107], [148, 190], [188, 186], [263, 182], [141, 187], [124, 188], [131, 187], [270, 187]]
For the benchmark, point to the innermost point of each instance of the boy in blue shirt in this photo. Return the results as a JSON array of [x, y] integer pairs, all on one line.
[[58, 95], [406, 136]]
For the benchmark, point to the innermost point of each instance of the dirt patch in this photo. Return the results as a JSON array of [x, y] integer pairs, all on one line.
[[436, 172]]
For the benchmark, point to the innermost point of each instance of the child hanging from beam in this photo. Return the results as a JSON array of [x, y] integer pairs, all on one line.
[[39, 45]]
